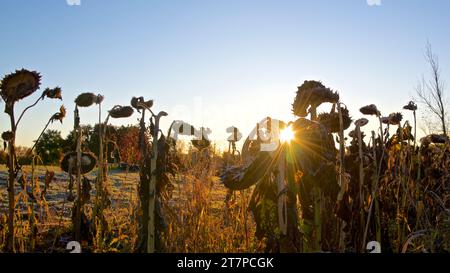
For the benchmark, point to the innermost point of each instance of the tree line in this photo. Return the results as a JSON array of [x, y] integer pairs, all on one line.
[[122, 145]]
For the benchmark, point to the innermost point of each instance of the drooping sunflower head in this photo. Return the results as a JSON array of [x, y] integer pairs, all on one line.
[[354, 135], [410, 106], [140, 103], [69, 163], [200, 144], [331, 120], [361, 122], [203, 142], [60, 115], [53, 93], [7, 136], [88, 99], [121, 111], [370, 110], [321, 95], [392, 119], [312, 93], [19, 85]]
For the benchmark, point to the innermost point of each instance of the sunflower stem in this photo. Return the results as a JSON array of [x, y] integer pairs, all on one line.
[[11, 181], [26, 109]]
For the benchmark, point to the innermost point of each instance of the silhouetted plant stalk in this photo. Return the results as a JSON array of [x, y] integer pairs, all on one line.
[[152, 189], [14, 87], [342, 182], [98, 208], [317, 196], [145, 174], [83, 100], [32, 218], [102, 178], [402, 192], [373, 199], [360, 123], [79, 134], [411, 106], [143, 184], [372, 110], [57, 116]]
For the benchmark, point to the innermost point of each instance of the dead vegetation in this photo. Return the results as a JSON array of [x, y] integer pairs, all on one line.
[[304, 195]]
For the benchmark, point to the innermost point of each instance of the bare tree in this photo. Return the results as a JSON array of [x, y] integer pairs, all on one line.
[[430, 92]]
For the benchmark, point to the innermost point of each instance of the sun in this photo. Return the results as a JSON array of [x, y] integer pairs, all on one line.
[[287, 135]]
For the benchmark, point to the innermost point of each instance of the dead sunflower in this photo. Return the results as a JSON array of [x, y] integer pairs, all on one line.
[[331, 120], [361, 122], [88, 99], [88, 162], [140, 103], [354, 135], [433, 138], [200, 144], [7, 136], [312, 93], [370, 110], [53, 93], [392, 119], [121, 111], [19, 85], [410, 106], [60, 115]]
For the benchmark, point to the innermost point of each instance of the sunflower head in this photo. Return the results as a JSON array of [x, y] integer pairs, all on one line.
[[121, 111], [203, 142], [410, 106], [88, 162], [331, 120], [312, 93], [392, 119], [53, 93], [370, 110], [141, 104], [354, 135], [361, 122], [7, 136], [60, 115], [88, 99], [200, 144], [395, 118], [19, 85]]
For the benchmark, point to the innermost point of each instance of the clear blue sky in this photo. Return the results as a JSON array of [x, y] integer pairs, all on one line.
[[220, 63]]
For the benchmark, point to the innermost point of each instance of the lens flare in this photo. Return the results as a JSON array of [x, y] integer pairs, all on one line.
[[287, 135]]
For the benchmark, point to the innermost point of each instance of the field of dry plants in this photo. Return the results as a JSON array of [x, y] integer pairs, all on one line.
[[195, 215], [315, 184]]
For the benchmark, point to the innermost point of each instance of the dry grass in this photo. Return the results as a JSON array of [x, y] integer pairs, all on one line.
[[195, 215]]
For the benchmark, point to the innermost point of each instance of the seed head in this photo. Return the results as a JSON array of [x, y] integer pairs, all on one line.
[[7, 136], [361, 122], [19, 85], [54, 93], [88, 162], [60, 115], [331, 120], [312, 93], [88, 99], [370, 110], [410, 106], [121, 111], [141, 104], [392, 119]]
